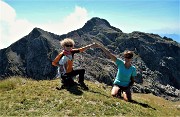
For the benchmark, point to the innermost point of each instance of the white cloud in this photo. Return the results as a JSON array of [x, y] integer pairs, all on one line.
[[80, 15], [13, 29], [8, 14], [72, 22]]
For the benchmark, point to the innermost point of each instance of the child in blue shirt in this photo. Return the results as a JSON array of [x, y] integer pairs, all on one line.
[[125, 75]]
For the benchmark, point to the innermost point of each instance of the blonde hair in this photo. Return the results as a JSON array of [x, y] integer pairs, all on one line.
[[67, 41]]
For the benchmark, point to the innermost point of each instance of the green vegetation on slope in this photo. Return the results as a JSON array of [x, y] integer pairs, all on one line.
[[25, 97]]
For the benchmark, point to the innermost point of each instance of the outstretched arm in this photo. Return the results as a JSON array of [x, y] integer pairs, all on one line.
[[86, 47], [108, 53]]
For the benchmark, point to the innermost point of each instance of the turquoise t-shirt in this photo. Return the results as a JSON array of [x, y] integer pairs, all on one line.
[[123, 77]]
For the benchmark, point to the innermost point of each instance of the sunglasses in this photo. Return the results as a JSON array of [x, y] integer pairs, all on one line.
[[128, 57], [69, 45]]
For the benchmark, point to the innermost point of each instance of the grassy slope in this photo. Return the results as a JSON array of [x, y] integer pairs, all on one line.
[[23, 97]]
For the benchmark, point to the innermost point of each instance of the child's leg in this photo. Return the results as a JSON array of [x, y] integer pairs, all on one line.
[[67, 80], [127, 94], [79, 72], [115, 90]]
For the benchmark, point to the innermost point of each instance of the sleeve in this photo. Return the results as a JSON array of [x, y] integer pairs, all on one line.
[[76, 50], [81, 49], [119, 62], [134, 73], [56, 60]]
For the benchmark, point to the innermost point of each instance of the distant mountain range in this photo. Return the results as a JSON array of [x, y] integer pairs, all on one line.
[[157, 59], [175, 37]]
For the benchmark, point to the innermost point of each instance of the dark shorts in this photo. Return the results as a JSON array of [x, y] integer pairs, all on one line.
[[127, 90]]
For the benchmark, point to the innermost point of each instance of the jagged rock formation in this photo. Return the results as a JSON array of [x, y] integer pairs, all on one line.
[[157, 59], [30, 56]]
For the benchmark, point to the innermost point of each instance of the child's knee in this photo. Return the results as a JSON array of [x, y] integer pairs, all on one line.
[[113, 94]]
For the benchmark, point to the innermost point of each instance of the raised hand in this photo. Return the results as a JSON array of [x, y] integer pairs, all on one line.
[[96, 45]]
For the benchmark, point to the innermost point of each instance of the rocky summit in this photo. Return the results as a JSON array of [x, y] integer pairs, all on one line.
[[157, 59]]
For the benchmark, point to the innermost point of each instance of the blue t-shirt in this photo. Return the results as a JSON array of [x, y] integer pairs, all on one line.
[[123, 77]]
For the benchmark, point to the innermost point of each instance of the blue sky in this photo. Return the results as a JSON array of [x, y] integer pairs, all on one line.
[[19, 17]]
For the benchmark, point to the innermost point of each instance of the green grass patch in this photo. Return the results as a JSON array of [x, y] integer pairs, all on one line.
[[11, 83], [23, 97]]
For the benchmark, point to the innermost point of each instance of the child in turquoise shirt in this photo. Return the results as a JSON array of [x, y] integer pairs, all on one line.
[[125, 75]]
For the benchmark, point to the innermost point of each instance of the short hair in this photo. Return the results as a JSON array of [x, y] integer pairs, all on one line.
[[128, 53], [67, 41]]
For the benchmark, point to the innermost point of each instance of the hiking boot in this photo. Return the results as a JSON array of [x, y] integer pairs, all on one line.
[[83, 86], [61, 87]]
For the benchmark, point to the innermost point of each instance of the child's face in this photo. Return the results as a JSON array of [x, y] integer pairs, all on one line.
[[127, 60], [68, 47]]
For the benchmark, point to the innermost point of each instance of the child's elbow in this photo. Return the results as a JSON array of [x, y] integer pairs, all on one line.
[[54, 64]]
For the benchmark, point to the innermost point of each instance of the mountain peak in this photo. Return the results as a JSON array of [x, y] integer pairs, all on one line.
[[99, 21], [95, 21], [36, 32]]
